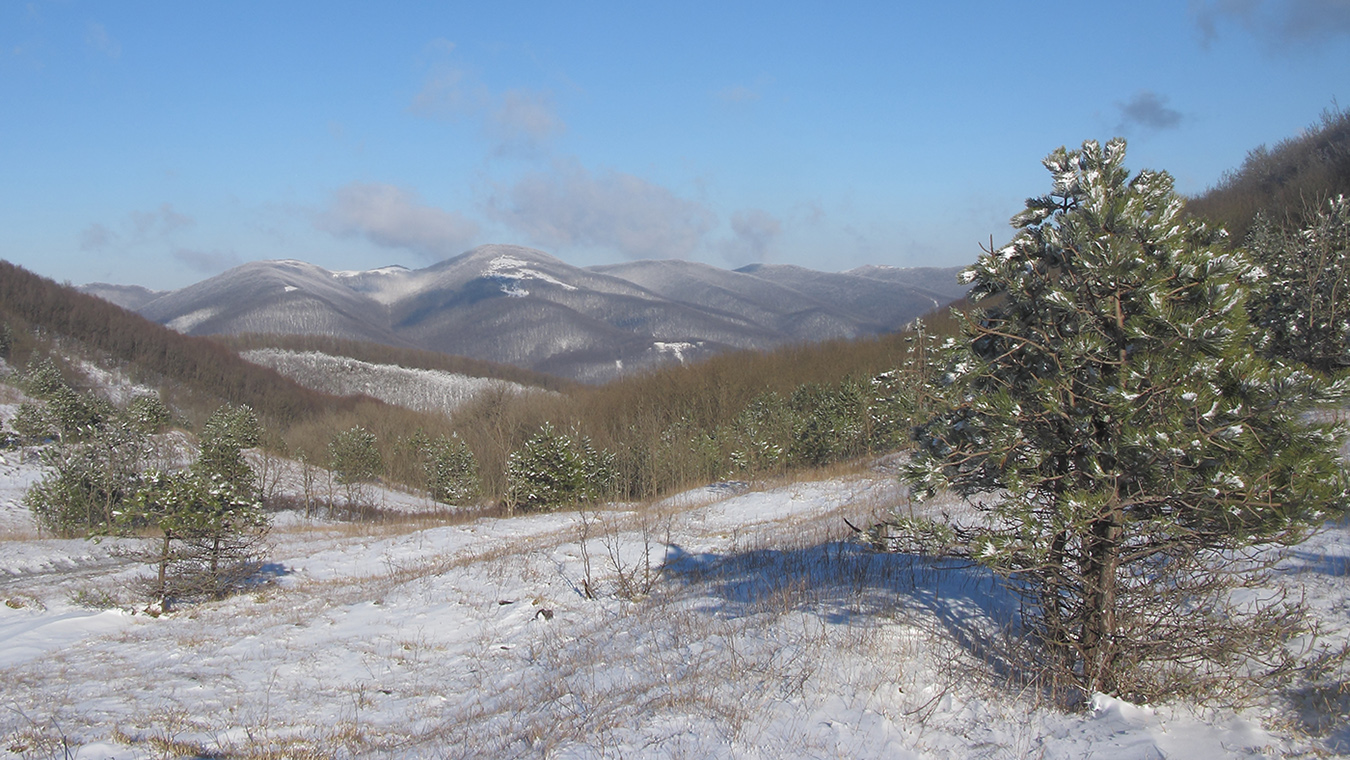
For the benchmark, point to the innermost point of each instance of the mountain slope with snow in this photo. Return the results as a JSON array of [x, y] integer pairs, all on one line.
[[521, 306]]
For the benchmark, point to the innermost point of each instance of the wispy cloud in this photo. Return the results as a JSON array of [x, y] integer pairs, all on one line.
[[136, 227], [208, 261], [97, 38], [571, 206], [754, 233], [1284, 25], [516, 121], [737, 94], [449, 94], [96, 237], [161, 221], [523, 121], [1148, 109], [393, 217], [742, 93]]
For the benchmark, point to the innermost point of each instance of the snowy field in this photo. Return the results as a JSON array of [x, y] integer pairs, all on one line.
[[768, 634]]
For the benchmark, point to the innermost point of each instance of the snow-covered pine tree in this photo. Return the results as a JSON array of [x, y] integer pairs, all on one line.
[[1136, 451], [553, 470], [452, 471], [355, 459], [227, 432], [88, 482], [206, 523], [1305, 305]]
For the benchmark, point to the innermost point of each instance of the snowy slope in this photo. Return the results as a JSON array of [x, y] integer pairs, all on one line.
[[768, 635], [423, 390]]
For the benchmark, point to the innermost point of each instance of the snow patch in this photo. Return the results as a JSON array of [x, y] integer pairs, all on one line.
[[384, 271], [188, 322], [510, 271], [114, 386], [677, 348]]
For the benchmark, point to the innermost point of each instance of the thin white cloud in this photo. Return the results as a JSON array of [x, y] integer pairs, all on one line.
[[208, 261], [518, 121], [159, 222], [737, 94], [449, 94], [96, 237], [96, 37], [571, 206], [1284, 25], [136, 227], [754, 233], [393, 217], [524, 121], [1149, 110], [743, 94]]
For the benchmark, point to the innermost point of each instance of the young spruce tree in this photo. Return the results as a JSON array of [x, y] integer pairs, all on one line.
[[1134, 448]]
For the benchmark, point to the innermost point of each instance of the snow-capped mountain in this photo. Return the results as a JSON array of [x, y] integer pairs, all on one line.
[[522, 306]]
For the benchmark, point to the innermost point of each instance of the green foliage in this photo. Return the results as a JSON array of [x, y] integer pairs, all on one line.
[[236, 427], [76, 415], [32, 424], [204, 530], [553, 470], [89, 482], [762, 434], [148, 414], [831, 423], [1110, 396], [67, 413], [354, 456], [452, 471], [6, 341], [227, 432], [42, 379], [1305, 306], [821, 424]]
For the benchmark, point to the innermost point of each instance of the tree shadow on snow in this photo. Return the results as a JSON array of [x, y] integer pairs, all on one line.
[[845, 583]]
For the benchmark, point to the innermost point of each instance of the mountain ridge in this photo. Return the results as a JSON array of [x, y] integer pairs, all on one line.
[[523, 306]]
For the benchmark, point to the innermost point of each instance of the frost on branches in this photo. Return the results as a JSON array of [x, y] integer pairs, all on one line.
[[1136, 450], [552, 470], [1305, 306]]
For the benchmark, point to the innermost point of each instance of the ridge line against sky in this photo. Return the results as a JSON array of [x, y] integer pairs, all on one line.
[[159, 143]]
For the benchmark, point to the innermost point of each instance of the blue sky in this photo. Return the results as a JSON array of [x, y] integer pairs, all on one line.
[[158, 143]]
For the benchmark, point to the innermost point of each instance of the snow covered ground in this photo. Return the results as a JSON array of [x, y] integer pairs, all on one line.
[[767, 634]]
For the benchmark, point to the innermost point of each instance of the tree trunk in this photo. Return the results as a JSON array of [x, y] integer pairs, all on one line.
[[1097, 641], [162, 589]]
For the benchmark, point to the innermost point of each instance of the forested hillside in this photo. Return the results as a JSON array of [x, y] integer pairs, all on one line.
[[1286, 182], [196, 372]]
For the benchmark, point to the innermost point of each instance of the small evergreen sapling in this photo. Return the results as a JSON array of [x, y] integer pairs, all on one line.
[[1136, 452], [553, 470], [355, 459], [206, 523], [452, 471]]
